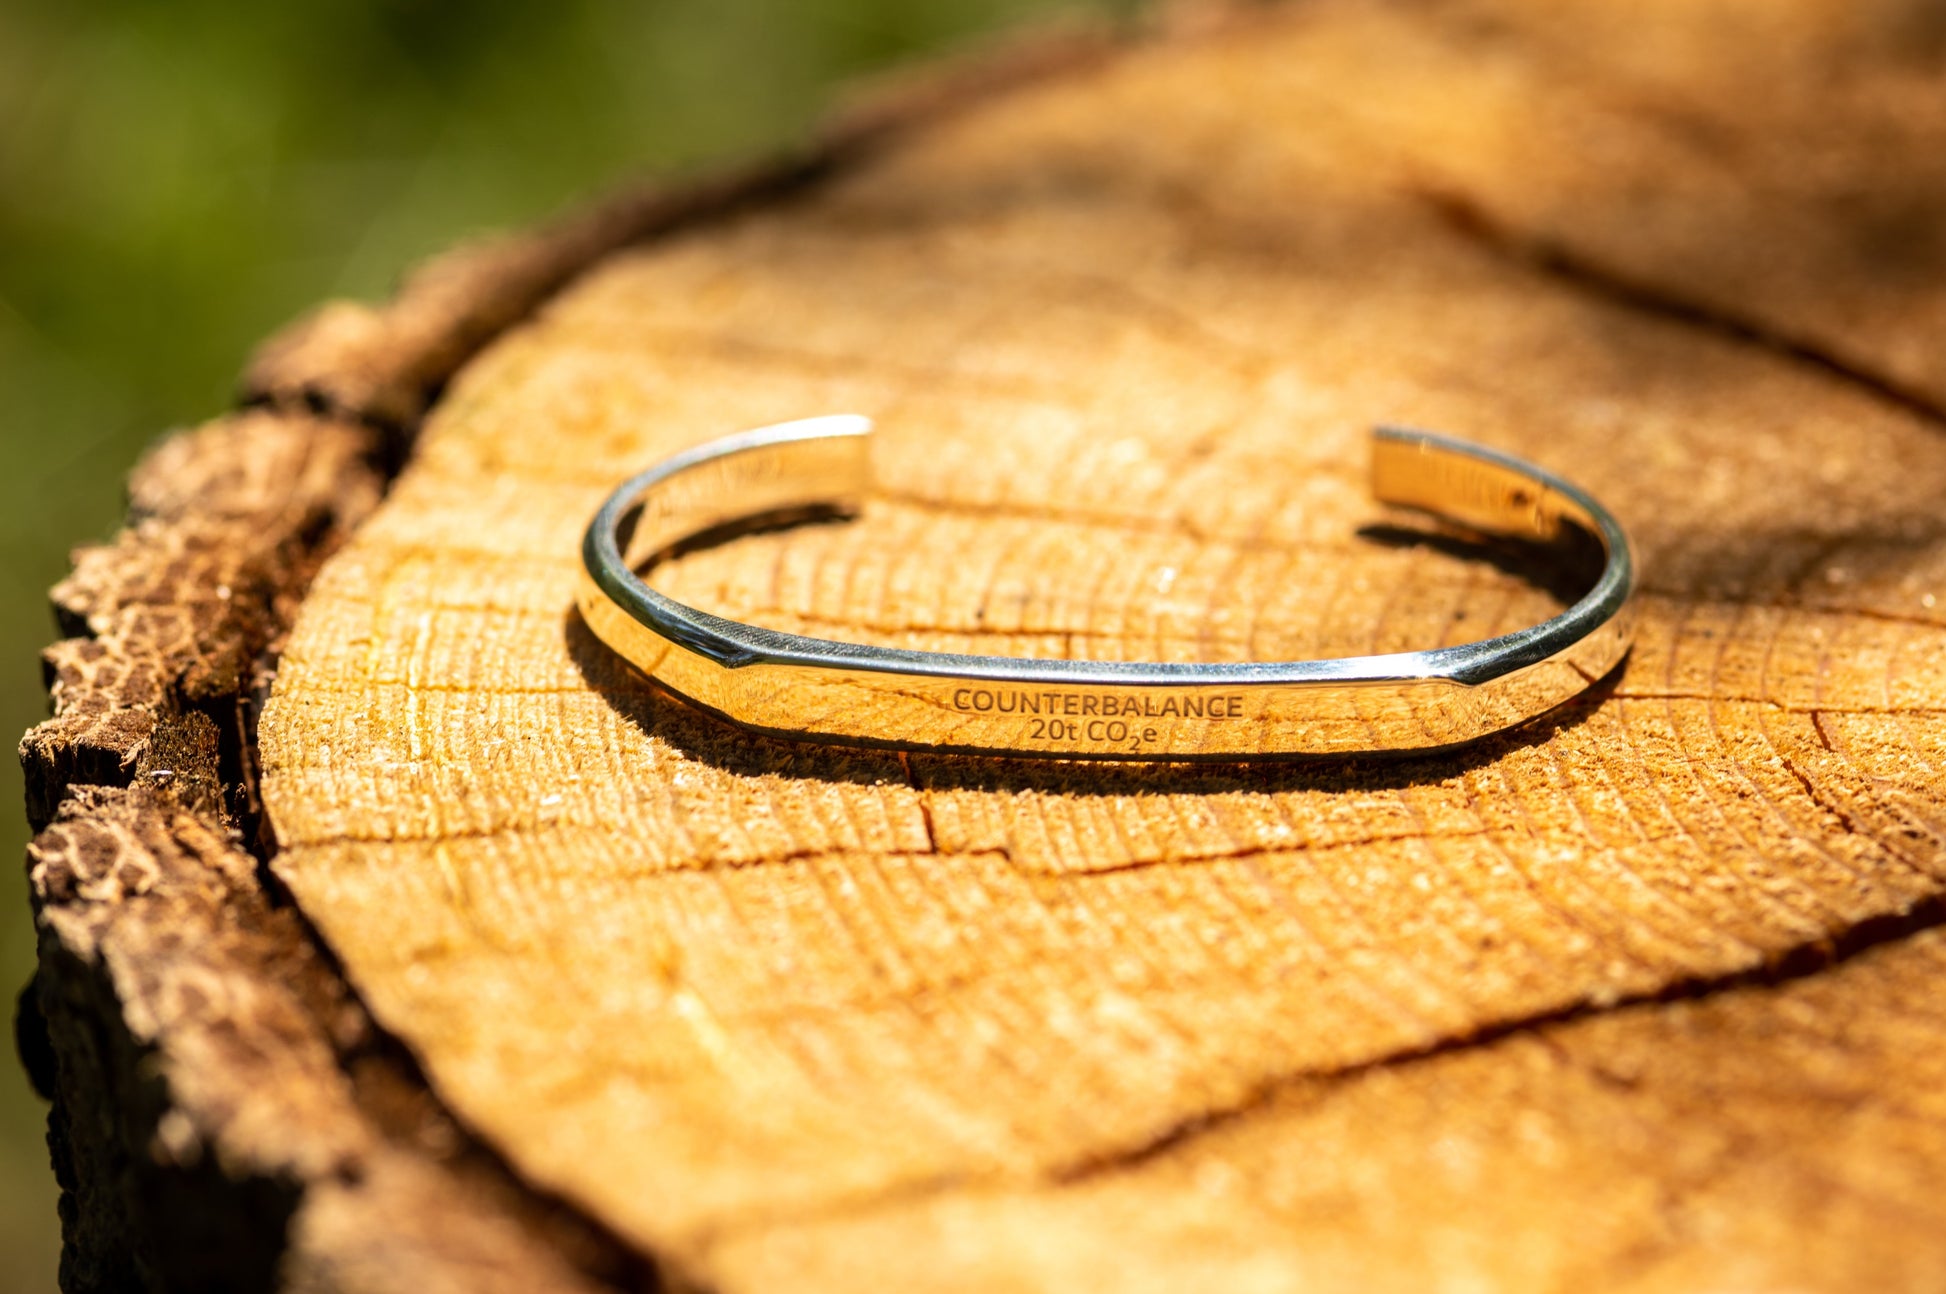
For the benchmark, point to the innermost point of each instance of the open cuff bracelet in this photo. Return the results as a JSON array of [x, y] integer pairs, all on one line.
[[819, 689]]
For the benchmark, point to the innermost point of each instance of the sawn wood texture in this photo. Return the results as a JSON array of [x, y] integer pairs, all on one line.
[[1642, 997]]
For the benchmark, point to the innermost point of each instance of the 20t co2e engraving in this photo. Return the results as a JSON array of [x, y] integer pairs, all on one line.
[[819, 689], [1101, 719]]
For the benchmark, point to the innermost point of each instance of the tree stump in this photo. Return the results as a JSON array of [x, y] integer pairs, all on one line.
[[510, 970]]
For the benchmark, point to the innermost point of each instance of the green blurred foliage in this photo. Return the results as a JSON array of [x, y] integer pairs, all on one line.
[[177, 180]]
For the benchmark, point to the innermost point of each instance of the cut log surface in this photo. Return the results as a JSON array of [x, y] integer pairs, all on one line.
[[1640, 997]]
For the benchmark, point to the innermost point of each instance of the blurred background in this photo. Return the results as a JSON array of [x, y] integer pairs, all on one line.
[[178, 180]]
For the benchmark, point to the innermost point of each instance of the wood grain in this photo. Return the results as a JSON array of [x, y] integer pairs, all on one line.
[[611, 996], [776, 1012], [1754, 1139], [225, 1114]]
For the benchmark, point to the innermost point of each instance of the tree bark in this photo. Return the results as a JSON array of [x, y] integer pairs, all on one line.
[[524, 972]]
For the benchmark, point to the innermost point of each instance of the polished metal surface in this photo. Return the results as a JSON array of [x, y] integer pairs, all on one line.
[[824, 690]]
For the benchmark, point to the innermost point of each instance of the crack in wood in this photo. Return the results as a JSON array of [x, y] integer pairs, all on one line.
[[341, 371]]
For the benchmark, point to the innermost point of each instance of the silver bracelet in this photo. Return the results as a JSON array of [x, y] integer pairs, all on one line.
[[789, 685]]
